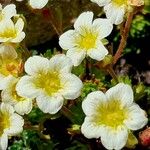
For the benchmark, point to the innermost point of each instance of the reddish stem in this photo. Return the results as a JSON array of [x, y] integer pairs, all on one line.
[[125, 33], [124, 37]]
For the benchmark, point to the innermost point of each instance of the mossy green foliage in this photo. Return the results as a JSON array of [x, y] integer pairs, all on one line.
[[30, 140]]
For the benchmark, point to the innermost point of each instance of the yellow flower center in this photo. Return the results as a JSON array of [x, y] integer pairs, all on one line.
[[119, 2], [8, 67], [8, 33], [4, 122], [110, 114], [49, 82], [87, 39]]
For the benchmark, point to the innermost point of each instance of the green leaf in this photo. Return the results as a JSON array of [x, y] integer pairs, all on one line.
[[35, 116]]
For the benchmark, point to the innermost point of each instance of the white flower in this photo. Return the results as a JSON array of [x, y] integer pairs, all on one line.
[[86, 39], [7, 12], [10, 124], [50, 82], [38, 4], [114, 9], [10, 65], [10, 32], [110, 116], [9, 95]]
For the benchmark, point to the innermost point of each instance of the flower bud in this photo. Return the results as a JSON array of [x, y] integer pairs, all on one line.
[[144, 137], [136, 2], [105, 62]]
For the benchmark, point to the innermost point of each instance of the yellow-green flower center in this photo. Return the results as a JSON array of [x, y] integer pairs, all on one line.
[[87, 39], [119, 2], [8, 33], [4, 122], [49, 82], [110, 114]]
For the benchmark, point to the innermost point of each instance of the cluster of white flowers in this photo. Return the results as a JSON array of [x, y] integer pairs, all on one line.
[[87, 37], [11, 33], [109, 116], [50, 82]]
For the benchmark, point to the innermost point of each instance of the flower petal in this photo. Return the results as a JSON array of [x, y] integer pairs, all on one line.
[[6, 108], [121, 92], [25, 87], [104, 26], [61, 63], [1, 7], [7, 51], [137, 117], [6, 25], [114, 139], [23, 107], [4, 81], [19, 25], [114, 13], [38, 4], [91, 130], [72, 86], [16, 125], [36, 64], [19, 38], [91, 102], [9, 11], [84, 20], [101, 2], [66, 40], [76, 55], [50, 104], [98, 53], [3, 142]]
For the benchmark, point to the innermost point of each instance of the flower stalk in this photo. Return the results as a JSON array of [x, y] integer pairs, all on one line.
[[124, 37], [124, 34], [112, 73], [67, 113], [48, 15]]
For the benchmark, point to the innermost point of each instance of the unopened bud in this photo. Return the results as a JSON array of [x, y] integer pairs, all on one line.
[[105, 62], [144, 137], [140, 88], [137, 3]]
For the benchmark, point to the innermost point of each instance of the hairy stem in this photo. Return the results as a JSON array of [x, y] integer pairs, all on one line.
[[125, 33], [124, 37]]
